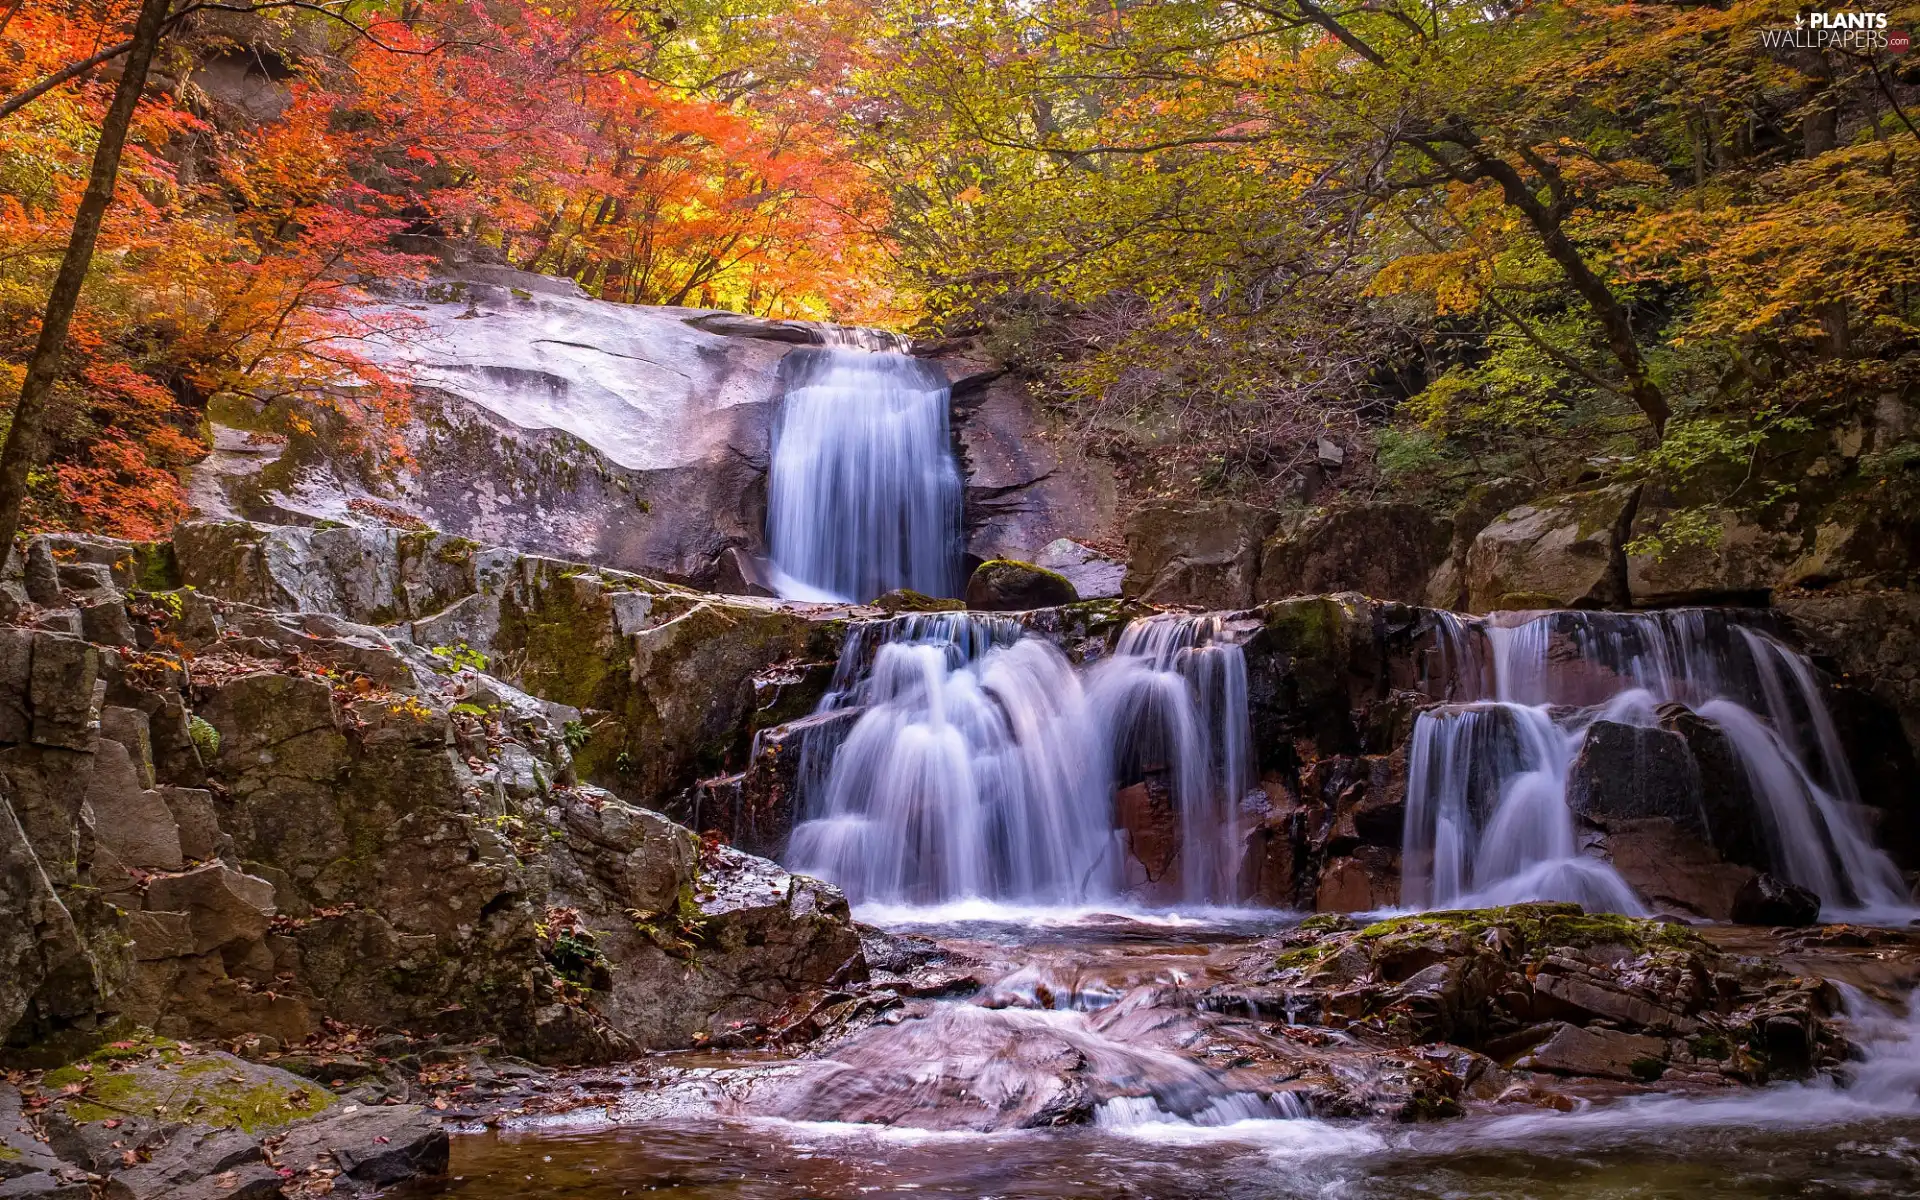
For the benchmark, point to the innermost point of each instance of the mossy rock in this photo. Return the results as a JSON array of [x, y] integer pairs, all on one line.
[[150, 1076], [906, 600], [1535, 928], [1008, 585]]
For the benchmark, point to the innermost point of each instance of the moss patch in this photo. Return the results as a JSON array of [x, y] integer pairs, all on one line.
[[1540, 926], [150, 1076]]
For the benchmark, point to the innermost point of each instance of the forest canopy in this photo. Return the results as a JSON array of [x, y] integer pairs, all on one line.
[[1566, 242]]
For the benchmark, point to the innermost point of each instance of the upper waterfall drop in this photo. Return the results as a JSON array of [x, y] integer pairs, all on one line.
[[863, 495]]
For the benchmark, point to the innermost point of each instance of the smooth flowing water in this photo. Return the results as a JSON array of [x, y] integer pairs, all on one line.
[[863, 495], [1487, 815], [983, 764]]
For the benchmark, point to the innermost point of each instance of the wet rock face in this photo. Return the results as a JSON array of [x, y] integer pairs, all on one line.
[[1767, 900], [1628, 772], [1414, 1018]]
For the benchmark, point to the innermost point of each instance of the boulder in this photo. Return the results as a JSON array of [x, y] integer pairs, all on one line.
[[1726, 794], [906, 600], [224, 907], [371, 1147], [27, 1167], [1604, 1053], [130, 820], [1093, 575], [43, 575], [1388, 551], [1561, 552], [1768, 900], [1004, 585], [1743, 564], [1628, 772], [1203, 554]]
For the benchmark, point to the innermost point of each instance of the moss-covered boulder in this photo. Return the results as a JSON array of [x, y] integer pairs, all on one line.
[[1007, 585]]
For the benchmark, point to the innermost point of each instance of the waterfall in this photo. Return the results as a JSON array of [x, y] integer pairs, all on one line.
[[1487, 818], [1174, 699], [982, 764], [863, 495], [973, 772]]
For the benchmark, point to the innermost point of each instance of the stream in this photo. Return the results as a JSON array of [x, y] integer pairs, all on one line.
[[699, 1124]]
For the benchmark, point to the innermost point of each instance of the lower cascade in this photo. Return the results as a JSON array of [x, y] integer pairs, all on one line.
[[1548, 704], [960, 756], [863, 496], [983, 765]]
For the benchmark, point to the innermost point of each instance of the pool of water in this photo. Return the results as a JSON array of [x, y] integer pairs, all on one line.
[[1498, 1157]]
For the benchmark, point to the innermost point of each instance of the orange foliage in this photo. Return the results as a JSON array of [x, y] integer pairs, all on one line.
[[248, 229]]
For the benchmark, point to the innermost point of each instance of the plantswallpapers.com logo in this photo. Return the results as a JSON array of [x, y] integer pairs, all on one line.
[[1852, 32]]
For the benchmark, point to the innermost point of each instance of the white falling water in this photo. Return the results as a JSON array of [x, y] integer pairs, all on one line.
[[982, 766], [863, 495], [1487, 819], [1174, 698], [973, 772]]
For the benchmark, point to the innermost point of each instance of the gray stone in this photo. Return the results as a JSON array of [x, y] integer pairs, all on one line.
[[59, 620], [1201, 554], [373, 1147], [16, 681], [1388, 551], [107, 623], [43, 575], [199, 825], [1093, 575], [130, 727], [61, 692], [1562, 552], [128, 819], [225, 907], [47, 976]]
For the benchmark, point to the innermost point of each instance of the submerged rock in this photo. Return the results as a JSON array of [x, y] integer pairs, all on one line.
[[1767, 900]]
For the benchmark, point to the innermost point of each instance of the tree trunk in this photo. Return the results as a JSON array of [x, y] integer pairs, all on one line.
[[24, 437]]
